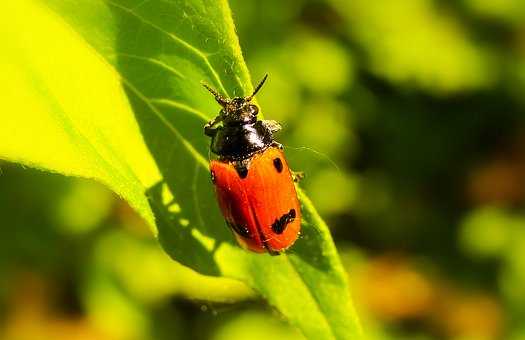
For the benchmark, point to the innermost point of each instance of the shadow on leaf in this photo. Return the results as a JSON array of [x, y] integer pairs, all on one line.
[[190, 227]]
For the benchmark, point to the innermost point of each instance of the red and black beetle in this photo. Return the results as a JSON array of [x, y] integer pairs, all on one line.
[[254, 185]]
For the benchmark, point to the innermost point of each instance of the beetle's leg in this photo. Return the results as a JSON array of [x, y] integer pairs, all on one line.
[[273, 252], [297, 176], [271, 125], [209, 128], [277, 145]]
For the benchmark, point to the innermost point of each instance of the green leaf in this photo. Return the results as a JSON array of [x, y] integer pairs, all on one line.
[[111, 90]]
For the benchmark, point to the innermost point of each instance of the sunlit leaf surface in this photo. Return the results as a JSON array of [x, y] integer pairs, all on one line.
[[111, 90]]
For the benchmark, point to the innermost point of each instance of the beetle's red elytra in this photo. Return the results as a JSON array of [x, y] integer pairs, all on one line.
[[254, 185]]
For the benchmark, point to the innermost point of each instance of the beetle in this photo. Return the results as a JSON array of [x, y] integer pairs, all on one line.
[[254, 186]]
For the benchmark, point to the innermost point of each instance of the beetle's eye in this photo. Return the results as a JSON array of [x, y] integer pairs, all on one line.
[[254, 110]]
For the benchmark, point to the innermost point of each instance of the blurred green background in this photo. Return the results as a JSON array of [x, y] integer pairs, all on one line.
[[407, 117]]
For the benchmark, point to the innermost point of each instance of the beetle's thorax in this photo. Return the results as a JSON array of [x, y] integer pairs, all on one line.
[[241, 140]]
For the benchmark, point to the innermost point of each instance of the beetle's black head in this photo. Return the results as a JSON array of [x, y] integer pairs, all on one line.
[[238, 110]]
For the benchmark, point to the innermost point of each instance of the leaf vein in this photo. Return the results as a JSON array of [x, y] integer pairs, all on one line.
[[198, 157], [154, 61], [178, 105], [199, 53]]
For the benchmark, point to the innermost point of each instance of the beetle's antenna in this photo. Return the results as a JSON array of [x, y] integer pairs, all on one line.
[[261, 83], [220, 99]]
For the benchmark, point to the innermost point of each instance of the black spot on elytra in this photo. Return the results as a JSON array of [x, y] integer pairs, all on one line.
[[242, 171], [280, 224], [278, 164], [239, 229], [213, 177]]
